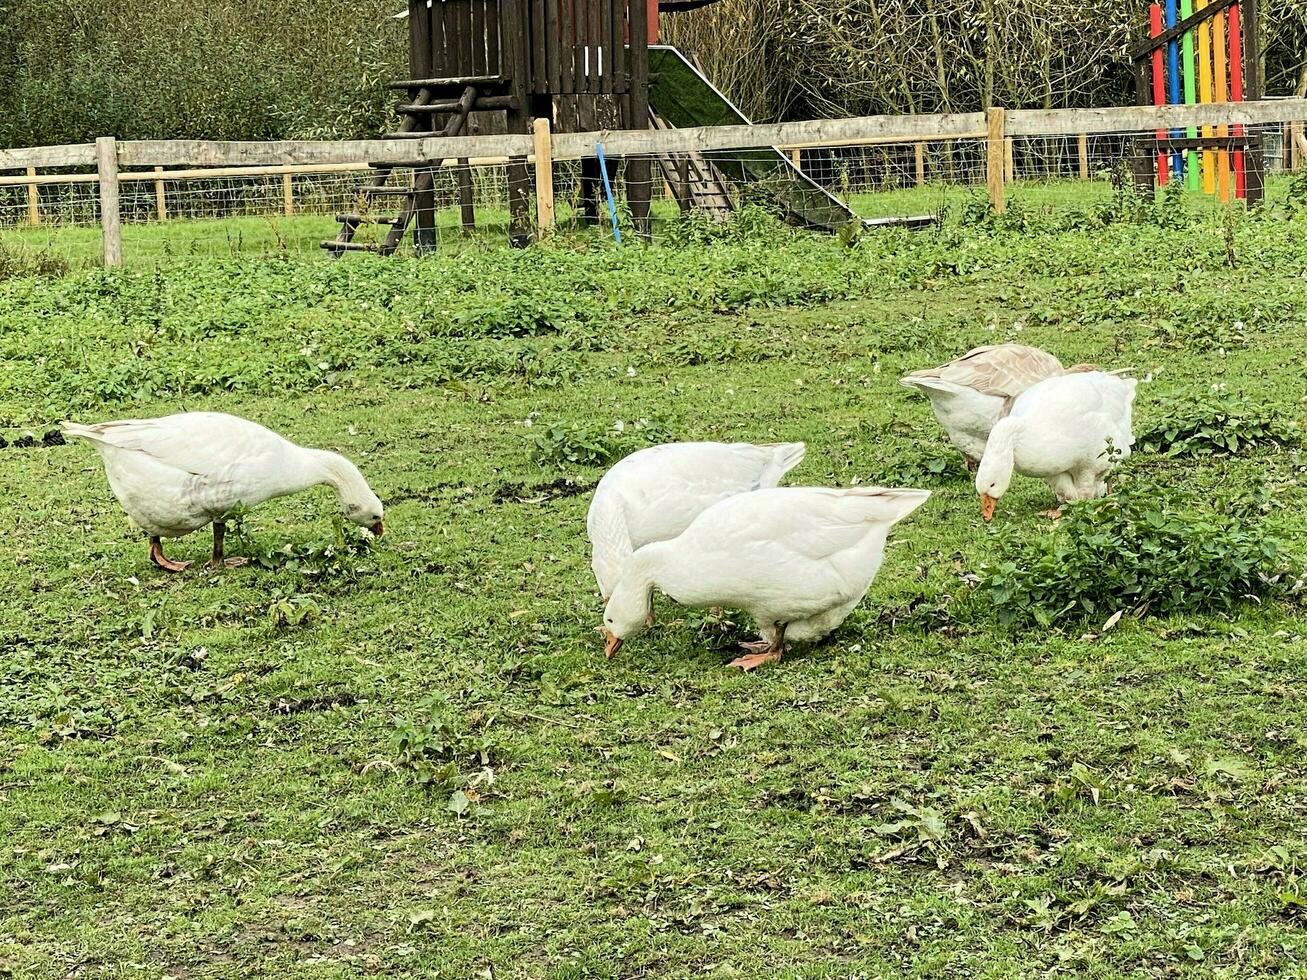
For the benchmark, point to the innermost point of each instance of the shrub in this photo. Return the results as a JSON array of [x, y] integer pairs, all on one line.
[[1215, 423], [19, 263], [1141, 548]]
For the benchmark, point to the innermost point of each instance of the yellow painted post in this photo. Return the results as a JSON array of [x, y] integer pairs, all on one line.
[[160, 198], [544, 168], [33, 200], [994, 154], [919, 152], [1083, 147], [1220, 95], [1204, 32]]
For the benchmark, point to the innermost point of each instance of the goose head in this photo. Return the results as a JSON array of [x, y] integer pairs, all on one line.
[[357, 501], [994, 473], [630, 608]]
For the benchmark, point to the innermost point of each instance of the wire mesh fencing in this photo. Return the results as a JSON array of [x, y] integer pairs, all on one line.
[[279, 209]]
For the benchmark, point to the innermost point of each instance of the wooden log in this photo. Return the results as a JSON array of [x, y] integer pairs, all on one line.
[[994, 157], [544, 174], [919, 161], [33, 201], [106, 160], [1082, 149], [160, 196], [484, 103]]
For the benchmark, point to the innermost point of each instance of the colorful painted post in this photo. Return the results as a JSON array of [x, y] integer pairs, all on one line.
[[1173, 82], [1220, 95], [1236, 95], [1193, 179], [1159, 90], [1205, 95]]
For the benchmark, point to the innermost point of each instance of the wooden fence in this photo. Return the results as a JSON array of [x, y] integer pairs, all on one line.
[[996, 127]]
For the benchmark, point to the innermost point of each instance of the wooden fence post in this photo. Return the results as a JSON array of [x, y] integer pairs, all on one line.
[[160, 197], [544, 166], [919, 153], [33, 201], [796, 158], [1082, 145], [287, 195], [1009, 162], [106, 163], [995, 146]]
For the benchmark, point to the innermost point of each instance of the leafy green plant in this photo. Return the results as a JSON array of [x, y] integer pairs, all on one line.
[[1143, 548], [1218, 422], [578, 444], [294, 610]]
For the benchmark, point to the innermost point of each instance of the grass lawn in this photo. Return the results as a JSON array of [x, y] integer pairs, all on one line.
[[411, 759]]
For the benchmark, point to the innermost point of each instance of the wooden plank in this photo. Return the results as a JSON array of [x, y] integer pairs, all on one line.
[[1252, 90], [1138, 119], [1220, 94], [615, 68], [539, 64], [106, 165], [466, 41], [1204, 32], [441, 57], [1236, 95], [553, 70], [1142, 52], [494, 66], [33, 200], [594, 16], [994, 144], [544, 174], [45, 157], [160, 197], [479, 36], [425, 65], [216, 153], [567, 47], [601, 62]]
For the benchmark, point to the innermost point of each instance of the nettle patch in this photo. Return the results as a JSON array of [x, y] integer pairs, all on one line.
[[1145, 549], [1217, 422]]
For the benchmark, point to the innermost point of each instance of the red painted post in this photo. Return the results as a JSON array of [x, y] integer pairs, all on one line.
[[1235, 62], [1159, 89]]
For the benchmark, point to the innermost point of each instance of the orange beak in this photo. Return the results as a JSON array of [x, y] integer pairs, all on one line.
[[612, 645], [376, 529], [987, 507]]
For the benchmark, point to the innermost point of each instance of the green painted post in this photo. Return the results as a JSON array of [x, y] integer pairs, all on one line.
[[1193, 178]]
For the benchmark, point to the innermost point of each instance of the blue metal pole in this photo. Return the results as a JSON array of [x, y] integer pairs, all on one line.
[[608, 192], [1173, 82]]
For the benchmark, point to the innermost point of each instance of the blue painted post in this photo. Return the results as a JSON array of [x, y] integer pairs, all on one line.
[[1173, 81]]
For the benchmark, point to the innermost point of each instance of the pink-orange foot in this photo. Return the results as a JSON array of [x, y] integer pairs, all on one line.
[[163, 561], [753, 660]]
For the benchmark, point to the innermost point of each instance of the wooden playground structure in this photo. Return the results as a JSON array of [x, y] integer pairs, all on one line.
[[583, 66], [1201, 51]]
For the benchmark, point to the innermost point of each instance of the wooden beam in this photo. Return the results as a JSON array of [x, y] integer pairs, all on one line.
[[106, 161], [1139, 119], [216, 153], [1142, 51], [45, 157], [544, 173], [994, 158]]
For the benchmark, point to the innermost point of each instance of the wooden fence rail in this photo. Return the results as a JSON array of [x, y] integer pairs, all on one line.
[[218, 158]]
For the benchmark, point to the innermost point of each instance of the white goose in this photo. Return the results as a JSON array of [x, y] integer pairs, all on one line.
[[1060, 431], [970, 394], [797, 559], [654, 494], [175, 474]]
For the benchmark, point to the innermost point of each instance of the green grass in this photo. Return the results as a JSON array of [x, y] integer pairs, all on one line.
[[188, 789]]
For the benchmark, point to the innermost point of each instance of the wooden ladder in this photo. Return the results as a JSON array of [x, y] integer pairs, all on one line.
[[415, 125], [693, 180]]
